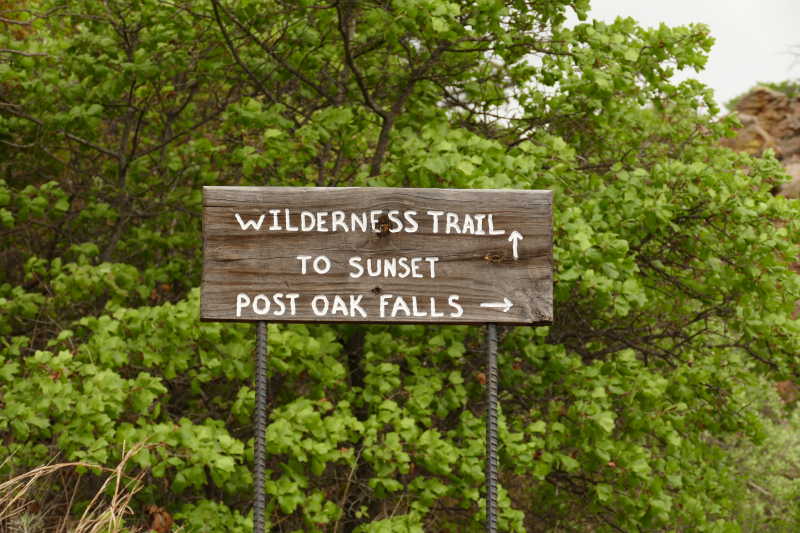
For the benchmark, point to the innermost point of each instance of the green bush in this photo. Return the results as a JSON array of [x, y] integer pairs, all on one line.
[[672, 295], [768, 476]]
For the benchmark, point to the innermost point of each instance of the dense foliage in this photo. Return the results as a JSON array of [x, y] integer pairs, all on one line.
[[672, 295], [767, 491]]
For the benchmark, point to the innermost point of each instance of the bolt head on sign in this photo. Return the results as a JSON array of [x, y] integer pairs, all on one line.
[[377, 255]]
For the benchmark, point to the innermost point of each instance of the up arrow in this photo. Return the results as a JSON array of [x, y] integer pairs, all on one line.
[[515, 237], [506, 304]]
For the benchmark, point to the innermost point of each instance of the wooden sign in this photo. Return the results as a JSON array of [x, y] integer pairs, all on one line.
[[377, 255]]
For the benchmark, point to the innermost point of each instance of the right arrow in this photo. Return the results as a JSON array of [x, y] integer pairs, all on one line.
[[515, 237], [506, 304]]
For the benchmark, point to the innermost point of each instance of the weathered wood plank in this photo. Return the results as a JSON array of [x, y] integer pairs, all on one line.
[[470, 266]]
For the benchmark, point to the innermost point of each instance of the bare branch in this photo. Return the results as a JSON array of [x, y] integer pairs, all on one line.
[[19, 53]]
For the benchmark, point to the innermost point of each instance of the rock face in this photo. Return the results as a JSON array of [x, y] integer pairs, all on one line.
[[770, 119]]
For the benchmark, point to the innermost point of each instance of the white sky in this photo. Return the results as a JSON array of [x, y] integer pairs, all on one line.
[[753, 37]]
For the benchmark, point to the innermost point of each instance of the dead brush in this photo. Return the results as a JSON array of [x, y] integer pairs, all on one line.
[[21, 513]]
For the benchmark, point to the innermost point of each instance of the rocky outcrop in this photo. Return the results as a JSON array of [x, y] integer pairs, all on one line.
[[770, 119]]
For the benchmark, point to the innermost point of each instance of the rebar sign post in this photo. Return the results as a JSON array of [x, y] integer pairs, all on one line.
[[260, 481], [491, 428]]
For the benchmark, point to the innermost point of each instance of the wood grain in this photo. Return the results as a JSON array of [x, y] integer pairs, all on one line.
[[476, 268]]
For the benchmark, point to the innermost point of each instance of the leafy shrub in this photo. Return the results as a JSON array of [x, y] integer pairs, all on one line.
[[672, 295], [768, 479]]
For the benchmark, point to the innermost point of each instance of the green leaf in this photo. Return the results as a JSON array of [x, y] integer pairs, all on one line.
[[8, 370], [439, 24], [466, 167], [604, 492], [61, 205], [605, 420], [537, 427], [434, 165]]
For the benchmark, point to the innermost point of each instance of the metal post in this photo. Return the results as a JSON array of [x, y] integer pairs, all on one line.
[[491, 428], [260, 481]]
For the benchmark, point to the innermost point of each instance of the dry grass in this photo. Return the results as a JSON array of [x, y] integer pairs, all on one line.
[[106, 513]]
